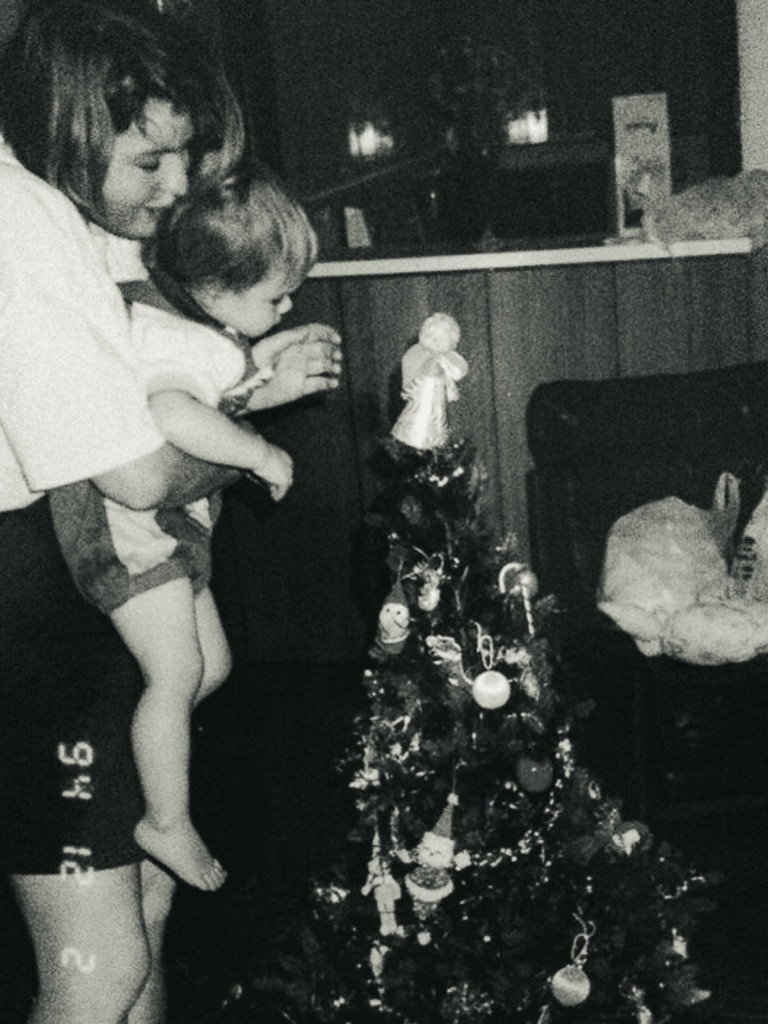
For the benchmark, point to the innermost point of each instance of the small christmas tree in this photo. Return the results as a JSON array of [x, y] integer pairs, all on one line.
[[496, 882]]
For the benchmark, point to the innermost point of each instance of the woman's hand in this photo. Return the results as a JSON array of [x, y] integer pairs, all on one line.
[[306, 360]]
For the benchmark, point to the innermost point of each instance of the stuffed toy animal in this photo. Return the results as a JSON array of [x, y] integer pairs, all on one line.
[[716, 208]]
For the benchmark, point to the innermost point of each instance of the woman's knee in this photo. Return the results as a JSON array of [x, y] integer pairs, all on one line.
[[91, 986], [91, 949]]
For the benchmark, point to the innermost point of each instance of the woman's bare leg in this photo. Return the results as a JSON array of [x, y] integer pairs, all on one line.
[[90, 946], [157, 889]]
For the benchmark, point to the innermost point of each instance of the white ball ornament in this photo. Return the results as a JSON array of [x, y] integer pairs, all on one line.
[[570, 986], [491, 689]]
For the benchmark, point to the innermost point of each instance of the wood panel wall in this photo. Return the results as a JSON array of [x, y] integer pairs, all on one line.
[[299, 583]]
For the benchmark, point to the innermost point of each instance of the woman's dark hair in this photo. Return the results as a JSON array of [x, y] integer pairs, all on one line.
[[78, 72]]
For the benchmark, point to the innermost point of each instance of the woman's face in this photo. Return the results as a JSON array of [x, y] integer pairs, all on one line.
[[147, 171]]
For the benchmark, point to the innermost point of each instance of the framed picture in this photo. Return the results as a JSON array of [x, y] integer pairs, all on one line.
[[641, 157]]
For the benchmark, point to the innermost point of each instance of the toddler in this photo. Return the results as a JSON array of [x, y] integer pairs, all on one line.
[[227, 257]]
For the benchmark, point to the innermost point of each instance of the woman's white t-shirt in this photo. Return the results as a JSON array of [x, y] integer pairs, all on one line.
[[72, 398]]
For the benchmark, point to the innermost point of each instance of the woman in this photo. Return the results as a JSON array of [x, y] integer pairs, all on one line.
[[105, 119]]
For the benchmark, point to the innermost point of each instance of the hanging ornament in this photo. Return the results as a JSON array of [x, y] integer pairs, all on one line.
[[368, 776], [518, 579], [529, 683], [430, 369], [679, 944], [518, 656], [466, 1003], [430, 881], [570, 985], [412, 510], [430, 574], [631, 835], [386, 891], [394, 624], [429, 595], [534, 776], [491, 689], [636, 996], [698, 995], [447, 655], [378, 952]]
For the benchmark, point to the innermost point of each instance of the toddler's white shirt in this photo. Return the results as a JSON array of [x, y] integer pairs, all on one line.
[[177, 354]]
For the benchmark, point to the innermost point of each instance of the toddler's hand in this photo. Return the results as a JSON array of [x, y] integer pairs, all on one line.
[[323, 339], [305, 360], [275, 467]]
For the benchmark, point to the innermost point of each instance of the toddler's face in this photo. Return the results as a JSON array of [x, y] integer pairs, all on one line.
[[252, 312]]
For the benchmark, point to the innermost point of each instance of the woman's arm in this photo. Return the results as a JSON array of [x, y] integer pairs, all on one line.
[[168, 476]]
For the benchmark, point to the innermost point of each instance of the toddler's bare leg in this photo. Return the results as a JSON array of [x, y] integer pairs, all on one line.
[[160, 629], [217, 659]]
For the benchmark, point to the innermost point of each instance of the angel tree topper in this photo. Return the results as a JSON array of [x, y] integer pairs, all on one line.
[[430, 369]]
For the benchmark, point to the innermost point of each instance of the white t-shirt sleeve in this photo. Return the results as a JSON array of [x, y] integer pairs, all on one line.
[[121, 256], [72, 402]]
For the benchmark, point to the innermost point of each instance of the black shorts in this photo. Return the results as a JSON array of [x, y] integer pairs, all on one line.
[[69, 791]]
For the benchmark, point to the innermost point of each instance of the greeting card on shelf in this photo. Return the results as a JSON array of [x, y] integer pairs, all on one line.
[[641, 158]]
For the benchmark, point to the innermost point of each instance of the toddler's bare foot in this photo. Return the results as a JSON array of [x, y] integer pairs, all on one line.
[[181, 849]]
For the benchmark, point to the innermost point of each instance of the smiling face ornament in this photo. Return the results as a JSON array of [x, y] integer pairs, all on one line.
[[394, 623]]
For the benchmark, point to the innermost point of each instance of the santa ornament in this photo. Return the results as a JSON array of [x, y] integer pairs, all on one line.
[[430, 881], [430, 370]]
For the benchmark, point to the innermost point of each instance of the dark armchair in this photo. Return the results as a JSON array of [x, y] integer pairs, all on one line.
[[675, 739]]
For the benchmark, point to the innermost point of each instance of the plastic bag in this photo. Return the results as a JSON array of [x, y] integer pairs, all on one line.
[[750, 569], [716, 632], [666, 581], [733, 628]]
